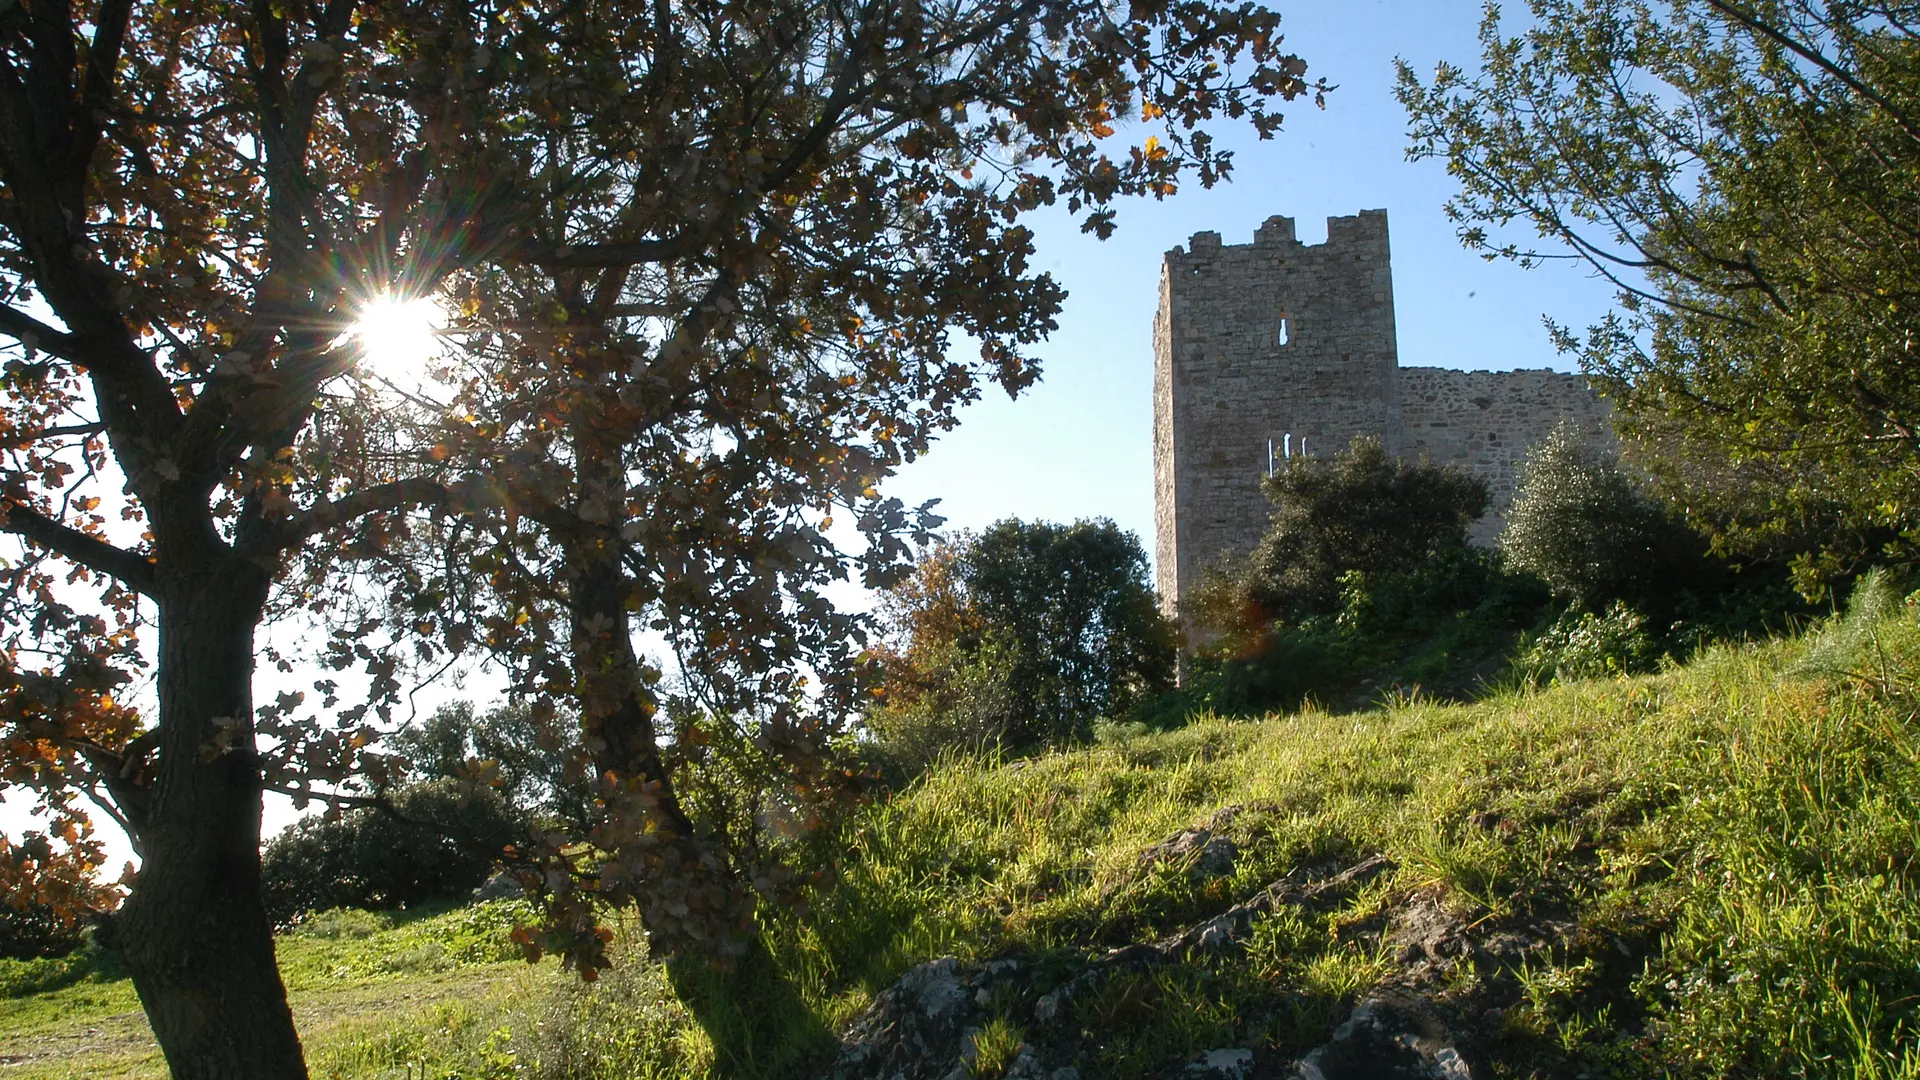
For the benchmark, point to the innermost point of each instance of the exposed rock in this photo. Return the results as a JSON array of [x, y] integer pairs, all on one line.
[[1205, 854], [922, 1027], [1203, 849], [1384, 1040], [501, 886], [1230, 1064], [1424, 929], [1233, 925]]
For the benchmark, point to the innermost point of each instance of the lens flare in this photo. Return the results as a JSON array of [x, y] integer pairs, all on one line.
[[400, 338]]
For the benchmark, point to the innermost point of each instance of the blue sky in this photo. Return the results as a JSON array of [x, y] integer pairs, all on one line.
[[1080, 444]]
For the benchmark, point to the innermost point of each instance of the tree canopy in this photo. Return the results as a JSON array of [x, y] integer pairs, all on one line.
[[701, 262], [1061, 618], [1361, 510], [1747, 174]]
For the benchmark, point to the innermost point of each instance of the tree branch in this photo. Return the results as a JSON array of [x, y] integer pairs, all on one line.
[[396, 495], [592, 256], [1818, 59], [35, 334], [77, 547]]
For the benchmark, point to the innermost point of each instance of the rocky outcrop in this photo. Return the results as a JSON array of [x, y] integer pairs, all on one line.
[[929, 1024], [1016, 1017], [1387, 1040]]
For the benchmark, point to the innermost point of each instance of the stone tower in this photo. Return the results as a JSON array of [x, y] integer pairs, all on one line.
[[1277, 348], [1278, 344]]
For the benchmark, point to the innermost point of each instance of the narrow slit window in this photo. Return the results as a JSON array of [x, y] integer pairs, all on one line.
[[1281, 337]]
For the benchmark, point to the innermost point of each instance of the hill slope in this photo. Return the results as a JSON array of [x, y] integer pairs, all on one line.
[[1706, 872]]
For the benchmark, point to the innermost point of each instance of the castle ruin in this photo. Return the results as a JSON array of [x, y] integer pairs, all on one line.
[[1276, 348]]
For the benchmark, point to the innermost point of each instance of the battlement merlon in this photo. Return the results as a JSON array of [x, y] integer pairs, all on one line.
[[1275, 231], [1366, 230]]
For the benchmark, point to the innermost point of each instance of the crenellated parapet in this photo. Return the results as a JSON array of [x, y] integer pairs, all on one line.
[[1275, 348]]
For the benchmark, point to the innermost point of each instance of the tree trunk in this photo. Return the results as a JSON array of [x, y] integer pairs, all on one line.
[[697, 910], [194, 931]]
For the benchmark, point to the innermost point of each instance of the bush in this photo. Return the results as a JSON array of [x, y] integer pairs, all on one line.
[[442, 844], [20, 977], [1021, 637], [1850, 642], [967, 705], [1445, 625], [1585, 645], [1361, 511], [36, 931], [1584, 527]]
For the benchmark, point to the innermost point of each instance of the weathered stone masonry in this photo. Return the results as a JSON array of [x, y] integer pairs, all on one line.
[[1291, 346]]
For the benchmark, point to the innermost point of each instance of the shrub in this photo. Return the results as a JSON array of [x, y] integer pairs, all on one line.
[[1583, 526], [441, 842], [42, 974], [1850, 641], [36, 931], [1362, 510], [966, 704], [1020, 637], [1585, 645], [1445, 625]]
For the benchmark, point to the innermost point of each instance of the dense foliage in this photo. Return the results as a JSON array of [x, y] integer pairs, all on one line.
[[1361, 511], [1447, 629], [1580, 523], [1748, 174], [36, 930], [1023, 635], [1359, 514], [505, 749], [437, 840], [1363, 585]]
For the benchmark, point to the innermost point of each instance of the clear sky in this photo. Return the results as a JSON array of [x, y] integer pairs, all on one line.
[[1080, 444]]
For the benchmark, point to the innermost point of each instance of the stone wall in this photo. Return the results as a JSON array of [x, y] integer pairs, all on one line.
[[1274, 348], [1486, 421], [1272, 343]]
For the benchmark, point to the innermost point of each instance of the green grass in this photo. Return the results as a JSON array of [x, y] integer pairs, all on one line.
[[1727, 852]]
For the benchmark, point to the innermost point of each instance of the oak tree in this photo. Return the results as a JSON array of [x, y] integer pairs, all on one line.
[[703, 261], [772, 234]]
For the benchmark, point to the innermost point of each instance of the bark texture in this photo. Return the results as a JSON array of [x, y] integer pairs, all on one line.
[[194, 930]]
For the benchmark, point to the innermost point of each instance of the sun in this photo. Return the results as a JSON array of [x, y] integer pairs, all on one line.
[[399, 338]]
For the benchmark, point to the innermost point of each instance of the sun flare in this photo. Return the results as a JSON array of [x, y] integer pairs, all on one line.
[[399, 338]]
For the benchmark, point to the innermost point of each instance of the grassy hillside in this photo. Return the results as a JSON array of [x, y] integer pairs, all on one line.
[[1705, 872]]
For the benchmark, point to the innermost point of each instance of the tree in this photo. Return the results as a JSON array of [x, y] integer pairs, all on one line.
[[706, 258], [1076, 613], [1362, 510], [437, 841], [684, 418], [1044, 627], [1747, 174], [503, 750], [195, 201], [1582, 525]]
